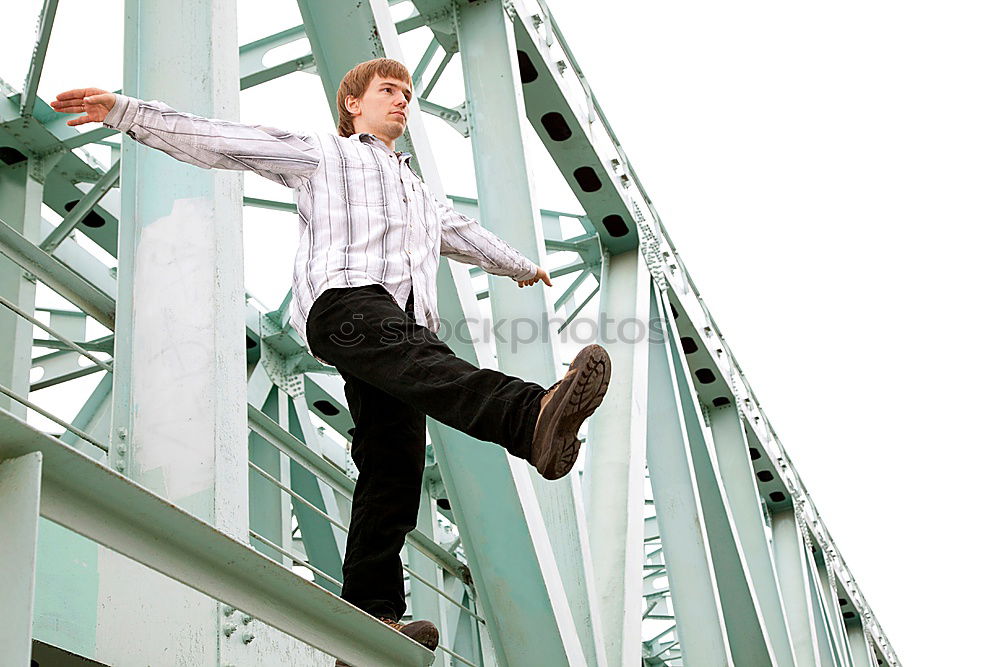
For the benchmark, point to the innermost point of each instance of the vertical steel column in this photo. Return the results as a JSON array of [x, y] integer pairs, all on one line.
[[524, 343], [793, 577], [180, 381], [20, 495], [616, 460], [857, 639], [179, 421], [21, 208], [744, 501], [701, 627]]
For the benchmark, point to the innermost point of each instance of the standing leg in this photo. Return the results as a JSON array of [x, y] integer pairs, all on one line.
[[389, 442]]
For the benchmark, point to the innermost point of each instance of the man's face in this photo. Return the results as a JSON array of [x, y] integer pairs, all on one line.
[[383, 109]]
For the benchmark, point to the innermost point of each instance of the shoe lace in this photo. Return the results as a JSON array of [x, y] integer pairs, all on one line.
[[396, 625]]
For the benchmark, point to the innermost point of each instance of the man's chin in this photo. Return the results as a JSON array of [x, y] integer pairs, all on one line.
[[395, 130]]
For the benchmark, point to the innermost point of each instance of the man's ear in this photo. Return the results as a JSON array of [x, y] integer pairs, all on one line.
[[353, 105]]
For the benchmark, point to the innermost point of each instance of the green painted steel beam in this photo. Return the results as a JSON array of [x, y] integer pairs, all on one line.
[[267, 505], [838, 632], [57, 276], [21, 207], [84, 207], [748, 639], [425, 61], [20, 494], [562, 120], [155, 318], [356, 40], [426, 90], [45, 21], [738, 479], [506, 207], [319, 537], [793, 577], [88, 137], [615, 454], [693, 589], [252, 69], [861, 652], [456, 117], [96, 502], [44, 134], [66, 590], [425, 603], [828, 655], [94, 419]]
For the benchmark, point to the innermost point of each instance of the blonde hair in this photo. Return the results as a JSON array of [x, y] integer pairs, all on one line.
[[356, 82]]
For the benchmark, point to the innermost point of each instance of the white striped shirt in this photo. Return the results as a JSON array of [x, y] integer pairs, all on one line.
[[364, 216]]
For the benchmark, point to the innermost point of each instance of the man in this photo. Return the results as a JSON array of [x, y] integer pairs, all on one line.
[[365, 301]]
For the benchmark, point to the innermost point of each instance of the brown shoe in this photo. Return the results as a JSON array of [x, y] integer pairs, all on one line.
[[565, 406], [422, 632]]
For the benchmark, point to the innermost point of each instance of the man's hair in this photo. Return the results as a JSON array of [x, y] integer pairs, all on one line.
[[356, 82]]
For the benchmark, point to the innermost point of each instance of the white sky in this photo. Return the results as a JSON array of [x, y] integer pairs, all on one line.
[[828, 172]]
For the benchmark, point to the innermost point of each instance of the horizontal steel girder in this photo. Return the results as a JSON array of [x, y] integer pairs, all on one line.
[[92, 500]]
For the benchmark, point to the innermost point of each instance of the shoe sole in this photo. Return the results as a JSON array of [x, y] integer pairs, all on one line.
[[427, 637], [577, 397]]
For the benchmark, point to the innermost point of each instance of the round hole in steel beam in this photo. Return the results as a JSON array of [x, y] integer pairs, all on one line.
[[588, 179], [765, 476], [689, 345], [326, 407], [615, 225], [526, 67], [777, 496], [720, 401], [556, 126], [705, 375], [754, 453], [11, 156], [92, 219]]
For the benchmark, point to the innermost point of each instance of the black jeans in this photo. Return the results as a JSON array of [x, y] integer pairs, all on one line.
[[396, 372]]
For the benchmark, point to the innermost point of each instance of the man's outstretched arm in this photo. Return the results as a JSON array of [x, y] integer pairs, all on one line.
[[465, 240], [280, 156]]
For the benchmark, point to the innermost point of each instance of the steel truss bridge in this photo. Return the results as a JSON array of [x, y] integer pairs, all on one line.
[[194, 510]]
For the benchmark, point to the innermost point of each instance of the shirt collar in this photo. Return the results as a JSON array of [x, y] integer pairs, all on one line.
[[371, 139]]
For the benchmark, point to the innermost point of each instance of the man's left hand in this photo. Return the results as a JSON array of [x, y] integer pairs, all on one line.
[[541, 274]]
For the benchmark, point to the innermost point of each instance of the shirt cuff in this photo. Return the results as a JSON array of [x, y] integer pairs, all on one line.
[[528, 274], [123, 113]]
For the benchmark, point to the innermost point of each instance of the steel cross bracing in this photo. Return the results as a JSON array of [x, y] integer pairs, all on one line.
[[726, 530]]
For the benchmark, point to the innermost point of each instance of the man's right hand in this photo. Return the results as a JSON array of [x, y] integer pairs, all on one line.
[[94, 102]]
